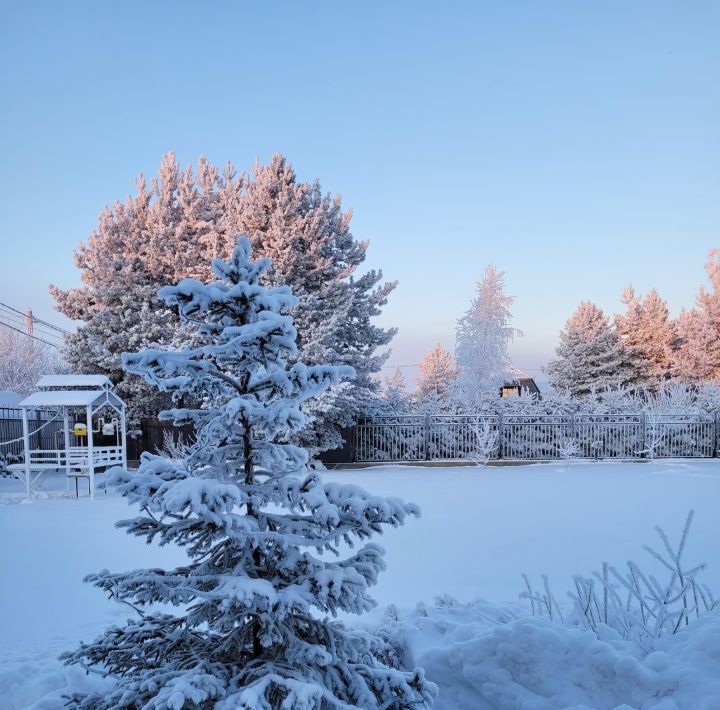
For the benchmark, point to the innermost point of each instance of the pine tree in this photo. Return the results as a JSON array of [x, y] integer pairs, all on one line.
[[307, 236], [173, 228], [138, 246], [259, 530], [590, 354], [697, 351], [660, 333], [395, 393], [436, 377], [647, 334], [482, 338]]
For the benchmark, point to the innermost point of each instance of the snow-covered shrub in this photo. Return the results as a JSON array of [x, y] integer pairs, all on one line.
[[174, 447], [654, 435], [7, 460], [267, 541], [633, 602], [568, 450], [485, 443]]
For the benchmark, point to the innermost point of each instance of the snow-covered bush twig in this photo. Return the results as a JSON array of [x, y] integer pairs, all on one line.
[[174, 447], [569, 449], [635, 603], [653, 435], [486, 441]]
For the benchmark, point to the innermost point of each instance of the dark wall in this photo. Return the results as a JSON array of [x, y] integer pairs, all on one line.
[[153, 432]]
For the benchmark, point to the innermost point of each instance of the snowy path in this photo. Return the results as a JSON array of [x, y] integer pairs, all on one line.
[[480, 529]]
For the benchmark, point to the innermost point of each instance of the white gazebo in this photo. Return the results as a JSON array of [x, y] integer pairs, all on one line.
[[66, 394]]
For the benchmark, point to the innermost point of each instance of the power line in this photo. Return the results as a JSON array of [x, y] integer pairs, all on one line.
[[22, 332], [18, 324], [35, 319]]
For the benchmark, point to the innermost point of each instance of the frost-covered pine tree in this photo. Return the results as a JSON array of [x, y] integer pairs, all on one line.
[[174, 227], [590, 355], [482, 338], [647, 334], [151, 239], [395, 394], [697, 351], [307, 235], [435, 380], [267, 542]]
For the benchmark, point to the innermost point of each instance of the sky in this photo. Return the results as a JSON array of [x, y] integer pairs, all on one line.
[[575, 145]]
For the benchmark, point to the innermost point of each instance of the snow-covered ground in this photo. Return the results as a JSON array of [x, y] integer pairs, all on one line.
[[480, 529]]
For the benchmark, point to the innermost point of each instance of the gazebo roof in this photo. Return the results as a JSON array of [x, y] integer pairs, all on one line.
[[72, 391], [59, 398], [66, 381]]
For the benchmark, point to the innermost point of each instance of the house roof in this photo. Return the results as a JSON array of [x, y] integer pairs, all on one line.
[[515, 377]]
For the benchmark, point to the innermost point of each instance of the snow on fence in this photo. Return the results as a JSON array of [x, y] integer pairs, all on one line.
[[536, 437]]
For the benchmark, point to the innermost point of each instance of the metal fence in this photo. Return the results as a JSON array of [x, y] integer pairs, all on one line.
[[536, 437], [48, 431], [525, 437]]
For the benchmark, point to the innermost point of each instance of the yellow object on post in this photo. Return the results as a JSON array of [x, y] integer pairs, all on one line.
[[80, 430]]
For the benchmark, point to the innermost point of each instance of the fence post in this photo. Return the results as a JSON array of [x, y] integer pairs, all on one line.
[[644, 436], [38, 432], [500, 436], [426, 436], [715, 435]]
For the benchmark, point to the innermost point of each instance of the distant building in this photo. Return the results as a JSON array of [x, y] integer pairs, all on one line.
[[516, 382]]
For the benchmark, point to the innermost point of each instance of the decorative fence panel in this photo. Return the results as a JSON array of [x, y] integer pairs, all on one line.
[[456, 437], [391, 439], [682, 435], [610, 435], [536, 437]]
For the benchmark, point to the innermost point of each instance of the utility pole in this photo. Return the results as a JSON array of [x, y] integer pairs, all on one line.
[[29, 321]]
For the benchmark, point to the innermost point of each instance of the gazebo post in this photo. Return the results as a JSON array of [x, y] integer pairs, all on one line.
[[123, 435], [90, 453], [26, 445], [66, 432]]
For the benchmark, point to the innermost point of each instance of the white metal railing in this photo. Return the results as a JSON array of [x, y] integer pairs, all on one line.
[[76, 457], [537, 437]]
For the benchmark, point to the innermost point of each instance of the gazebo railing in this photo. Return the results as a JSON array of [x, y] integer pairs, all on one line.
[[76, 456]]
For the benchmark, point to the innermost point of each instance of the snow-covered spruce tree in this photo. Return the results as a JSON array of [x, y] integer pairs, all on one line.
[[590, 355], [482, 338], [259, 530]]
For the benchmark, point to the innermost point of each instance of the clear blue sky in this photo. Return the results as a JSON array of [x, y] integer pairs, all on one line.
[[574, 144]]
